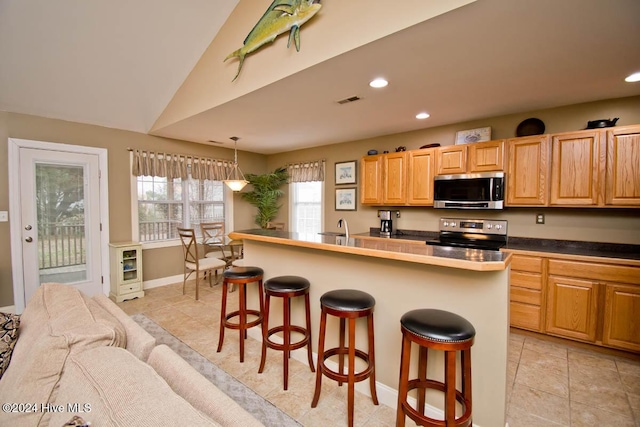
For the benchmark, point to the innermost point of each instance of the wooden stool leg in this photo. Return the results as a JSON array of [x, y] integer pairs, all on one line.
[[223, 313], [197, 283], [352, 369], [403, 386], [286, 353], [265, 332], [308, 316], [450, 388], [372, 360], [323, 328], [342, 347], [243, 317], [466, 378], [422, 376]]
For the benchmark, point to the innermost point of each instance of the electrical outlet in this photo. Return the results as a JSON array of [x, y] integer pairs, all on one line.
[[539, 218], [4, 216]]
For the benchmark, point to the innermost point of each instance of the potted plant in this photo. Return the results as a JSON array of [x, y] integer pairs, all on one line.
[[265, 194]]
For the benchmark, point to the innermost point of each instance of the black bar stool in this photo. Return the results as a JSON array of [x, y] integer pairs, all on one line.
[[437, 330], [240, 276], [286, 287], [346, 304]]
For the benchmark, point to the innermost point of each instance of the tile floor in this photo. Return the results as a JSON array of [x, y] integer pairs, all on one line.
[[548, 384]]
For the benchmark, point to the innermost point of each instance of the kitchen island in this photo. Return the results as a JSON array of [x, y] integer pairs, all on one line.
[[401, 276]]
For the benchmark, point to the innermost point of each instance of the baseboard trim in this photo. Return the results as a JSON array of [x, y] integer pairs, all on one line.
[[163, 281], [8, 309]]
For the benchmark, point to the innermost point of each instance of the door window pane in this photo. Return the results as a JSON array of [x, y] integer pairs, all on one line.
[[60, 210]]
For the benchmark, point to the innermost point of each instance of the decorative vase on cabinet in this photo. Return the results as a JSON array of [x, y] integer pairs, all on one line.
[[126, 271]]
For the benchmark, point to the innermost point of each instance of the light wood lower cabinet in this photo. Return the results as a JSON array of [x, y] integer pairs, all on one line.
[[526, 300], [622, 317], [592, 302], [572, 308]]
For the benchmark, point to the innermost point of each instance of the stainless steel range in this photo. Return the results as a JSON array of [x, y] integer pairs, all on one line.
[[485, 234]]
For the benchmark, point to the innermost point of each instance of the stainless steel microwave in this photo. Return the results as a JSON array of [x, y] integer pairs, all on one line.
[[469, 191]]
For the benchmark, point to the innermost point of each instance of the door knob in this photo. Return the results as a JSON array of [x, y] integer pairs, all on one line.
[[28, 239]]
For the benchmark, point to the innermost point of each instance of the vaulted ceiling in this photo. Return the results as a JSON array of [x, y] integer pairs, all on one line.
[[118, 64]]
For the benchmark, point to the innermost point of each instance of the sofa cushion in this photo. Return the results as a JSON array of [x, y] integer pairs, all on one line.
[[139, 341], [197, 390], [121, 391], [8, 335], [58, 321]]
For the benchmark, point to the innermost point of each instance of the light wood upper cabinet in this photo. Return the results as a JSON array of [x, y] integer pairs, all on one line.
[[371, 178], [470, 158], [575, 168], [420, 176], [452, 160], [394, 172], [623, 166], [486, 156], [528, 171]]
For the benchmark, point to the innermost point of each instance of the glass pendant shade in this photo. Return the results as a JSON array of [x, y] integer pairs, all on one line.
[[235, 179]]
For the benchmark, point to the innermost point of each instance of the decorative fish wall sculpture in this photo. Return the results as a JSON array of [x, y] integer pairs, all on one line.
[[280, 17]]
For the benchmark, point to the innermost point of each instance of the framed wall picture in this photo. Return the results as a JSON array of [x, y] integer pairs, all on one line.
[[473, 135], [346, 172], [346, 199]]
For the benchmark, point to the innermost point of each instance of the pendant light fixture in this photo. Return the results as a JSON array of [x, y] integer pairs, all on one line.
[[235, 178]]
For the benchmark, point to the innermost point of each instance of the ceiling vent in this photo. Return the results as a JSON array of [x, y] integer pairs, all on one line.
[[350, 99]]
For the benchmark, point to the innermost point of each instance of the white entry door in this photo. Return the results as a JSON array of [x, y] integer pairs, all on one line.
[[60, 219]]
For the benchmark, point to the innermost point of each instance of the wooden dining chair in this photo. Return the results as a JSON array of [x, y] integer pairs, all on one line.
[[193, 263]]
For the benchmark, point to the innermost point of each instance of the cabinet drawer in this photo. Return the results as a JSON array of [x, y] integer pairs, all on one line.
[[594, 271], [131, 287], [532, 264], [525, 316], [526, 296], [526, 280]]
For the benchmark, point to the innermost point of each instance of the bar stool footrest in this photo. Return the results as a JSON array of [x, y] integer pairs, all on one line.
[[337, 376], [292, 346], [251, 324], [463, 421]]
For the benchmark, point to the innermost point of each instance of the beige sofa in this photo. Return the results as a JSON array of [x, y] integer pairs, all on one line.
[[81, 356]]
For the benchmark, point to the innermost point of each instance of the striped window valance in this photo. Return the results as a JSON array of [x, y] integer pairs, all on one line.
[[306, 171], [149, 163]]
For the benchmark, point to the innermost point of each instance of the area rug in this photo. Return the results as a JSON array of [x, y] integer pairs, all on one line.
[[263, 410]]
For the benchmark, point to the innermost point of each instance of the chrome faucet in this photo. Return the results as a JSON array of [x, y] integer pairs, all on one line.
[[346, 227]]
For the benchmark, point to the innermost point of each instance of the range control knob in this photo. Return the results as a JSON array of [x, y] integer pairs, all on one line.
[[445, 223], [453, 224], [489, 226], [498, 226]]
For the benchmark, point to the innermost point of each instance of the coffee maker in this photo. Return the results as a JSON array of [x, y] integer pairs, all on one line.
[[386, 224]]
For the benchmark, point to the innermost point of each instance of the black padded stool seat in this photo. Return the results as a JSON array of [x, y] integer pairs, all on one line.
[[243, 272], [436, 330], [286, 284], [347, 300], [240, 276], [346, 304], [438, 325], [286, 287]]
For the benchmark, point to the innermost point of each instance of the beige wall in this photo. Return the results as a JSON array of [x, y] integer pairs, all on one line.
[[602, 225], [605, 225], [158, 263]]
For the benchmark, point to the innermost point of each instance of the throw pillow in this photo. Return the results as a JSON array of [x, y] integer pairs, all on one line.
[[8, 336]]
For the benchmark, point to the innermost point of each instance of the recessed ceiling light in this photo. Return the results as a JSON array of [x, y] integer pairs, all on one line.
[[422, 116], [635, 77], [378, 83]]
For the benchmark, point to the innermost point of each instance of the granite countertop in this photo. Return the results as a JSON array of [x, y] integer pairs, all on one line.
[[565, 247], [401, 249]]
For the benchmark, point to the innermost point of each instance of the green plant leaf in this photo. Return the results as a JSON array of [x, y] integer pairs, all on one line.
[[265, 194]]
